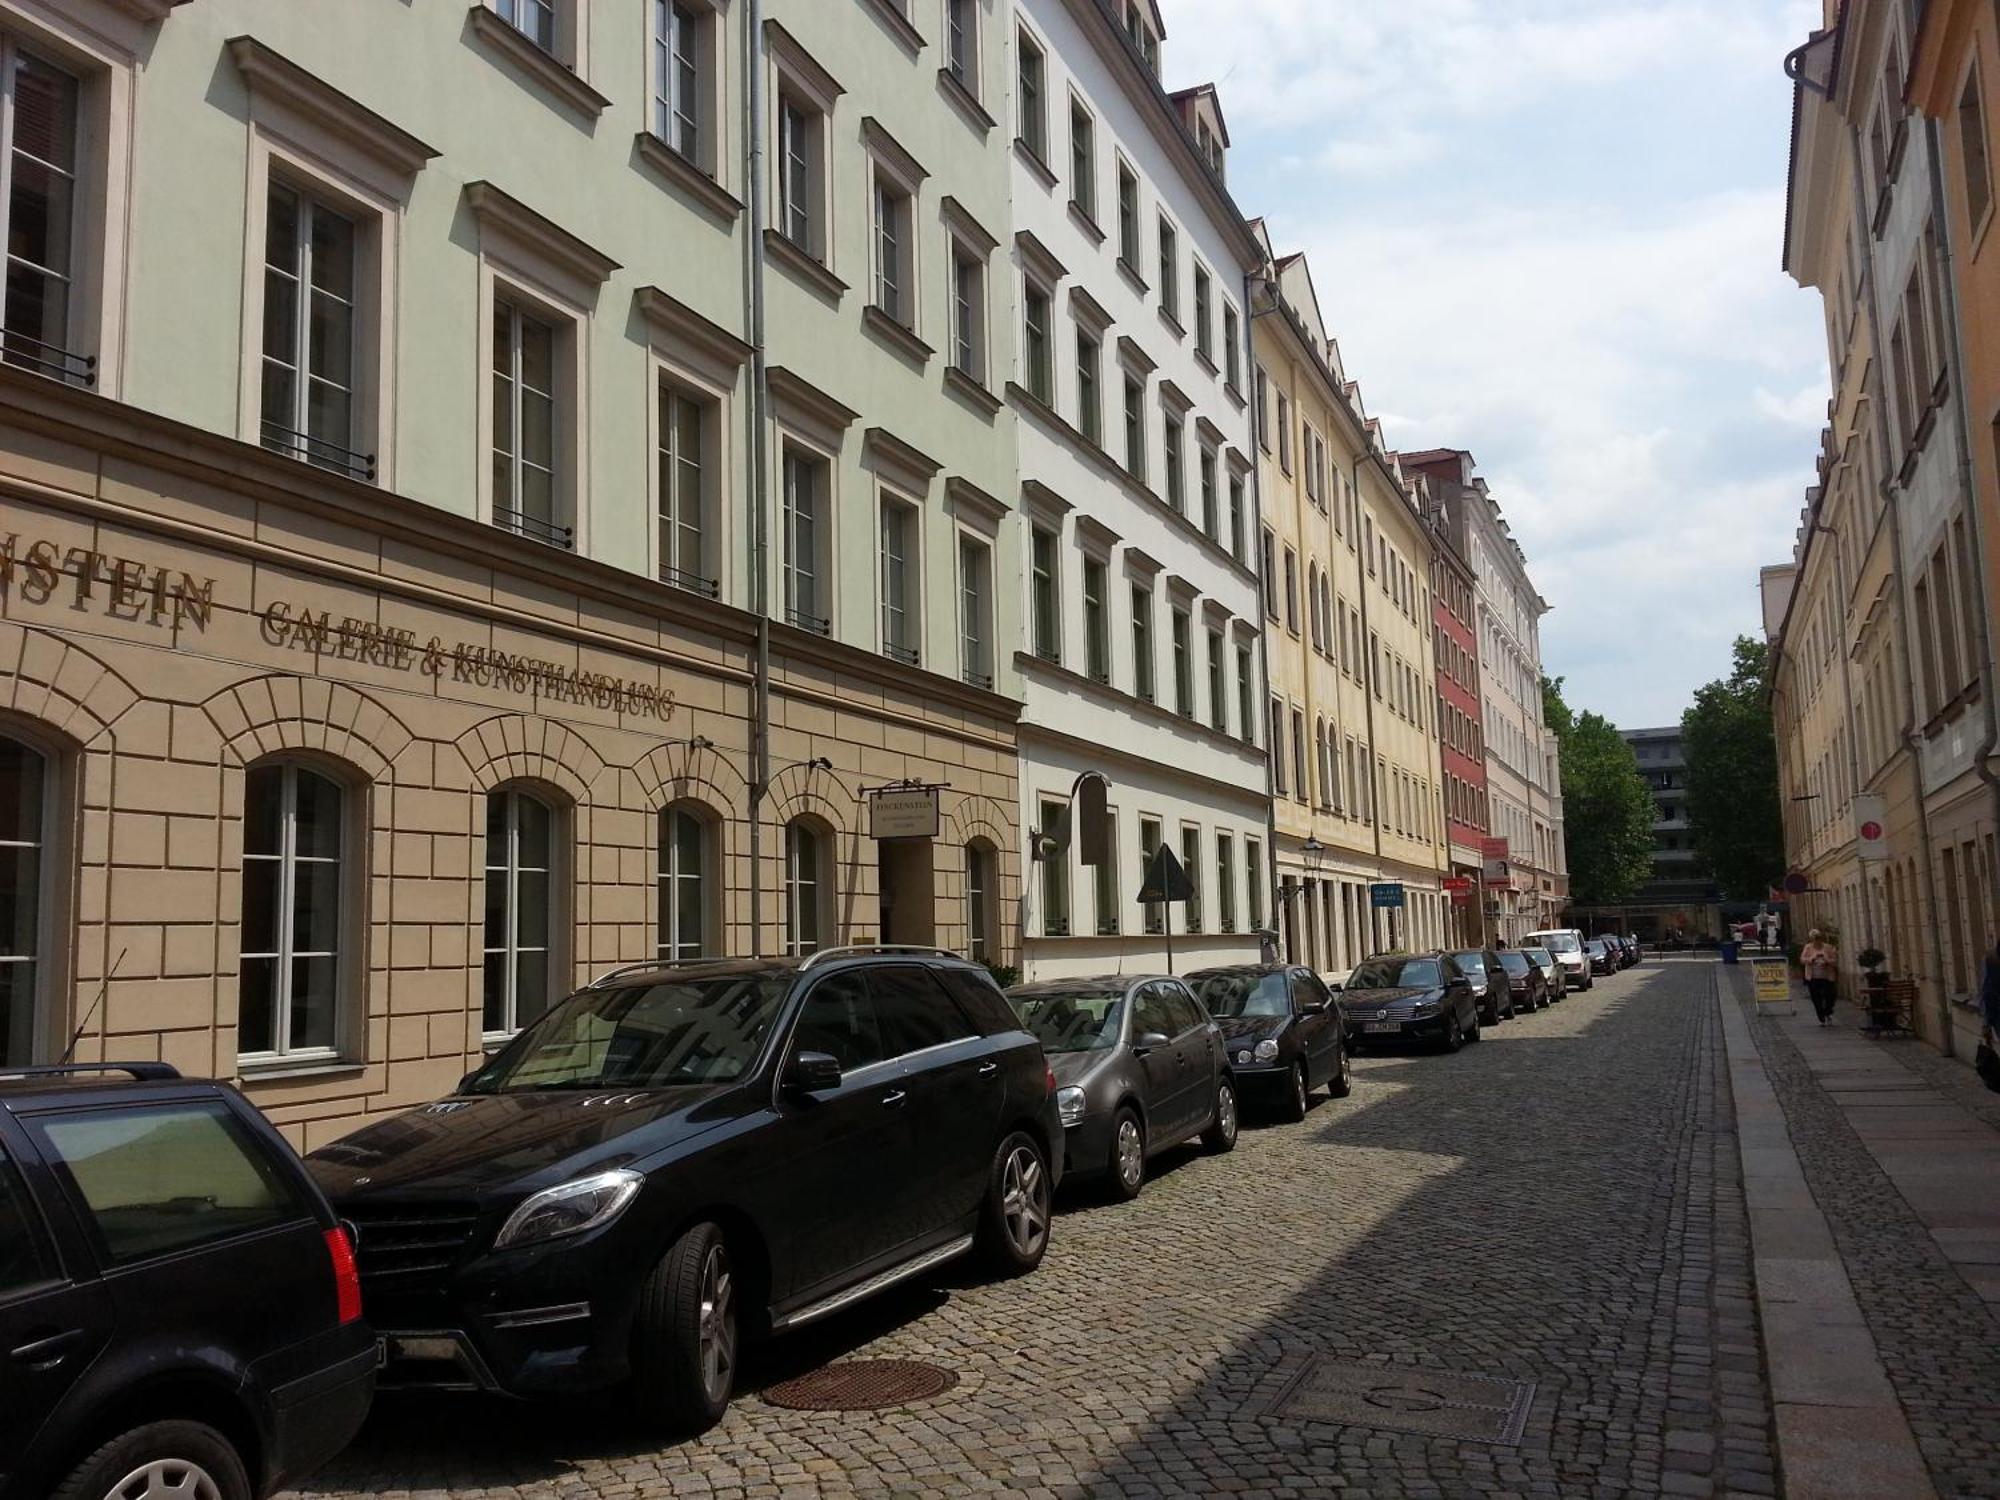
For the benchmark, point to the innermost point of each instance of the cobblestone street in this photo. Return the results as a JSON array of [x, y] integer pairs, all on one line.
[[1553, 1205]]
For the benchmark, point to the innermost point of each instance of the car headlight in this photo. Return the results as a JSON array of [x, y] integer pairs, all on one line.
[[1267, 1049], [570, 1208], [1069, 1105], [1426, 1008]]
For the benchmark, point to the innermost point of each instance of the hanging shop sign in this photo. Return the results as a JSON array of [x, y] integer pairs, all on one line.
[[903, 812]]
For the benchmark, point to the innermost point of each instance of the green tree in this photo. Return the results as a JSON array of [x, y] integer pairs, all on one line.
[[1607, 806], [1732, 777]]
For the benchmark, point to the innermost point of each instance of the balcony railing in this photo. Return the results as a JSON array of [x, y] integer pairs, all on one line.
[[1055, 926], [907, 655], [978, 679], [694, 583], [53, 360], [318, 451], [817, 624], [533, 527]]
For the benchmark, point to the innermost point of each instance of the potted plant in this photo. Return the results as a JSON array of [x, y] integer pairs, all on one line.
[[1873, 975]]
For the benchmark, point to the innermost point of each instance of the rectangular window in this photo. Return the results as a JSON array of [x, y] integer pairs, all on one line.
[[1035, 343], [1045, 583], [1211, 501], [1183, 646], [1299, 787], [1135, 428], [534, 19], [1232, 352], [1089, 403], [1171, 433], [1269, 575], [525, 418], [899, 590], [1218, 690], [1142, 642], [1284, 433], [1170, 276], [1149, 846], [1034, 126], [1055, 875], [1253, 881], [961, 43], [1082, 159], [805, 502], [1204, 334], [1263, 409], [1291, 590], [894, 279], [1246, 696], [1106, 880], [975, 612], [801, 139], [1276, 721], [310, 342], [1238, 515], [1946, 624], [1128, 217], [1191, 862], [292, 920], [968, 312], [677, 61], [1225, 883], [1096, 630], [1927, 648], [520, 921], [1972, 154], [683, 484]]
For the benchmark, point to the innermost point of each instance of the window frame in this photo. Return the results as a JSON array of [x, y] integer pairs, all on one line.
[[671, 943], [284, 916], [796, 455], [1082, 158], [1055, 882], [975, 604], [804, 890], [556, 870], [1045, 592], [1031, 103], [900, 621], [50, 856]]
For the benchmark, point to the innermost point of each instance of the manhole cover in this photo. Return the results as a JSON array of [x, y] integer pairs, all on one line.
[[1402, 1398], [862, 1385]]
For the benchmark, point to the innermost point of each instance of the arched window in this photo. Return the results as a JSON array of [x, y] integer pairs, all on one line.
[[807, 887], [981, 901], [293, 853], [24, 782], [686, 878], [520, 892]]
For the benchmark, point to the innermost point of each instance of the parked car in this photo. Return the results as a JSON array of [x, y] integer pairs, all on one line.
[[676, 1158], [1638, 951], [1139, 1068], [1410, 997], [1527, 989], [1566, 943], [1603, 960], [181, 1306], [1554, 977], [1282, 1031], [1482, 969]]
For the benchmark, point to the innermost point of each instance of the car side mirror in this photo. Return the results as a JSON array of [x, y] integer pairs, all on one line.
[[1312, 1007], [813, 1073], [1147, 1042], [1458, 982]]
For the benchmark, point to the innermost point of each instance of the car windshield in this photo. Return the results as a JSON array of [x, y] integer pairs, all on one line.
[[1558, 942], [677, 1031], [1470, 963], [1396, 973], [1071, 1020], [1594, 946], [1541, 958], [1245, 994], [1514, 961]]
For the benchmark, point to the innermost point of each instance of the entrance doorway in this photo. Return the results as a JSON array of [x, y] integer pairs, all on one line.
[[906, 878]]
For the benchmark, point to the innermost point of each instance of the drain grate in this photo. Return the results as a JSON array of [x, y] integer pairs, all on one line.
[[862, 1385], [1403, 1398]]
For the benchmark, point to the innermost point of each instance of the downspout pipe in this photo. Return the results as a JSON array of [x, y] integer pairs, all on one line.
[[1369, 687], [760, 466], [1252, 280]]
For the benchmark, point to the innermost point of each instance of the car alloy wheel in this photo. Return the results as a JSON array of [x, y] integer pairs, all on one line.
[[1454, 1034], [1343, 1074], [166, 1479], [1221, 1133], [1024, 1201], [1299, 1087], [718, 1324], [1129, 1154]]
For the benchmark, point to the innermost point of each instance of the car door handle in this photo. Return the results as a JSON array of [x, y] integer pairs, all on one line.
[[49, 1350], [894, 1099], [988, 1069]]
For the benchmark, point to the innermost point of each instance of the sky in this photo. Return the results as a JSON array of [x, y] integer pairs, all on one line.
[[1549, 232]]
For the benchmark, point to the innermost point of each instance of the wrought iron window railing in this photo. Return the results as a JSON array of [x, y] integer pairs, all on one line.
[[534, 527], [907, 655], [58, 363], [978, 679], [817, 624], [694, 583], [312, 450]]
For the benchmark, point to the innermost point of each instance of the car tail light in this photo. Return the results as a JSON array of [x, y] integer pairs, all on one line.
[[346, 1277]]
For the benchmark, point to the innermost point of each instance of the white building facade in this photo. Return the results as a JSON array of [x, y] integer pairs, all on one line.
[[1142, 660]]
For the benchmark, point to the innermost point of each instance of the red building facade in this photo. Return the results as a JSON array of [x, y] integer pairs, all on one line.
[[1461, 751]]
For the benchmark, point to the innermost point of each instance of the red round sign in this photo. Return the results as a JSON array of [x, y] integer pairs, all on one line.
[[1871, 830]]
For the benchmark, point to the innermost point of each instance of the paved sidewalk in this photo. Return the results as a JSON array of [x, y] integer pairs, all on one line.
[[1874, 1195]]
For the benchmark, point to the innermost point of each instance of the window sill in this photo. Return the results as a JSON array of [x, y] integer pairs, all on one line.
[[1132, 277], [1035, 164], [1207, 361], [898, 25], [683, 174], [965, 102], [276, 1072], [1236, 396], [896, 336], [543, 67], [1172, 325], [803, 267], [967, 389], [1086, 223]]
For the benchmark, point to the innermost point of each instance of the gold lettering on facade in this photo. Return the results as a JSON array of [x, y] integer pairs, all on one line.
[[131, 589]]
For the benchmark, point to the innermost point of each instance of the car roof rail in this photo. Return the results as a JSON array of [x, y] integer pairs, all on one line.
[[144, 1072], [847, 950]]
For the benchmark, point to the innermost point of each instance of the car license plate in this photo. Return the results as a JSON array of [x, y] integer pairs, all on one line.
[[1383, 1026]]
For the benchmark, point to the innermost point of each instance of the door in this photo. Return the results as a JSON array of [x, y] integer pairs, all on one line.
[[1195, 1056], [956, 1087], [848, 1149], [50, 1327], [1319, 1035], [1162, 1067]]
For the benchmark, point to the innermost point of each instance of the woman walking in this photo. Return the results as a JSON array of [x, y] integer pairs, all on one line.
[[1817, 958]]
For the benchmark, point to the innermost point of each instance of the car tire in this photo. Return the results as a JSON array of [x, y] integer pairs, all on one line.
[[1475, 1030], [1342, 1083], [1221, 1133], [176, 1451], [1292, 1108], [1015, 1216], [1128, 1154], [686, 1335], [1454, 1035]]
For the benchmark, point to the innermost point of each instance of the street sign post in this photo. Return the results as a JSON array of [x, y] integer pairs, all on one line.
[[1165, 882]]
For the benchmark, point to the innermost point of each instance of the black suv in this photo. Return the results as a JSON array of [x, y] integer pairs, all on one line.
[[179, 1312], [679, 1155]]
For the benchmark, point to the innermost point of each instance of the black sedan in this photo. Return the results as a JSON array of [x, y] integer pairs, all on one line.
[[1138, 1069], [1554, 981], [1489, 989], [1410, 997], [1603, 958], [1526, 987], [682, 1156], [1281, 1028]]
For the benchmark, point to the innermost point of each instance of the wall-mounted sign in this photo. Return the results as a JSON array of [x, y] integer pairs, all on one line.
[[122, 587], [1387, 894], [903, 813], [1871, 839], [1493, 860]]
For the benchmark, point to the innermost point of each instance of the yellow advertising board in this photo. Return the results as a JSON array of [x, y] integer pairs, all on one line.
[[1774, 982]]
